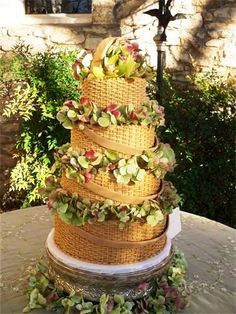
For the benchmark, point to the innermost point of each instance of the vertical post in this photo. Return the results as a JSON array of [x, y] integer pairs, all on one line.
[[162, 6], [160, 67], [164, 16], [160, 54]]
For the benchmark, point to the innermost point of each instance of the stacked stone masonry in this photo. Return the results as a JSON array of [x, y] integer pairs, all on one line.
[[203, 40]]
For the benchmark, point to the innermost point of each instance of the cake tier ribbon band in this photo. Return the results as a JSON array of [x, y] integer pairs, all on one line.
[[121, 148], [118, 197], [120, 244]]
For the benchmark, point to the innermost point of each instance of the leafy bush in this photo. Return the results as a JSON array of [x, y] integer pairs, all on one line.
[[38, 85], [201, 130]]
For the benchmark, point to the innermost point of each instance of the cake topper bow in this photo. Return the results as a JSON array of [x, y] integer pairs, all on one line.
[[164, 16]]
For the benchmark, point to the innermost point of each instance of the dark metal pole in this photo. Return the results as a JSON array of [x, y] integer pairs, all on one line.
[[164, 16], [161, 6], [160, 68], [160, 55]]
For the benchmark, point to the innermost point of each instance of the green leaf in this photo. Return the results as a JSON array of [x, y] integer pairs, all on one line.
[[127, 67], [111, 155], [66, 217], [140, 175], [80, 178], [67, 124], [61, 117], [131, 169], [155, 218], [97, 161], [71, 114], [122, 163], [62, 208], [98, 72], [123, 179], [83, 162], [118, 298], [123, 171], [101, 216], [104, 122], [41, 299], [26, 309], [111, 60], [113, 120]]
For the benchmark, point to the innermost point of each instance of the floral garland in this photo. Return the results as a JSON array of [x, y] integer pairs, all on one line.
[[122, 59], [78, 211], [84, 164], [86, 111], [170, 295]]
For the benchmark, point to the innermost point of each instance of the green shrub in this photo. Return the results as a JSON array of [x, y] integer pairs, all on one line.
[[201, 130], [38, 85]]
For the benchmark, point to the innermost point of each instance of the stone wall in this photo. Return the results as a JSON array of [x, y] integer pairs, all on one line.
[[204, 39], [84, 32]]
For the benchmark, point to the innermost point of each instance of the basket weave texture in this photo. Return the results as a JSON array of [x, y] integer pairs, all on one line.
[[117, 91], [69, 240], [148, 186], [134, 136]]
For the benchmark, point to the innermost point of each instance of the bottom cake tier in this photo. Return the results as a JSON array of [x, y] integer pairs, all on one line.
[[94, 280], [105, 243]]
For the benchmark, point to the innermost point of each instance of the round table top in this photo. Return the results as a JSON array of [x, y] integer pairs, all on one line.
[[209, 248]]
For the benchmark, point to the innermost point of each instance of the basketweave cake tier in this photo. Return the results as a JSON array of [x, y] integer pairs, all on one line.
[[105, 243], [104, 186], [127, 140], [118, 90]]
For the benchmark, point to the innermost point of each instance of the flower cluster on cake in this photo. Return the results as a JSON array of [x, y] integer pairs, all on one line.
[[111, 241]]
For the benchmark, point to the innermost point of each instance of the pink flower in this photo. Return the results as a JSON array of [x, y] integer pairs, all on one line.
[[88, 176], [53, 296], [133, 115], [116, 113], [171, 292], [110, 305], [50, 204], [133, 49], [69, 103], [90, 154], [84, 101], [112, 108], [111, 166], [180, 303], [143, 286]]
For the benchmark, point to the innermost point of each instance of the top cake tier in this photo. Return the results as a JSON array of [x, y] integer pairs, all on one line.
[[116, 73], [118, 90]]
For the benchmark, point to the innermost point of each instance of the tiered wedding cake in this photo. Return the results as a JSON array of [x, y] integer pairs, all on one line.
[[112, 229]]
